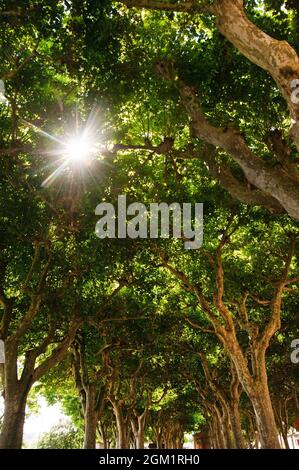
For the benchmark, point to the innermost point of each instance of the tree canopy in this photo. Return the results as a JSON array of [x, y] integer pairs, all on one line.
[[141, 340]]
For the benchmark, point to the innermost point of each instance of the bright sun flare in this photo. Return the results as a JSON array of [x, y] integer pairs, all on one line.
[[74, 151], [78, 149]]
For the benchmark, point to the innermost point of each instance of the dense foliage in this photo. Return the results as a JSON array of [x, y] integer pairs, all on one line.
[[142, 340]]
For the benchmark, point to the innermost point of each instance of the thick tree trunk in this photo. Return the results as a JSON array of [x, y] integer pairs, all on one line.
[[11, 436], [265, 420], [15, 399], [257, 390], [258, 393], [217, 433]]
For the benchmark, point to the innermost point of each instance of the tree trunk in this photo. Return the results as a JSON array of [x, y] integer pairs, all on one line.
[[90, 418], [11, 436], [103, 435], [213, 437], [259, 396], [285, 439], [284, 421], [15, 399], [140, 440], [138, 426], [227, 428], [159, 438], [221, 431], [266, 425], [167, 440], [215, 433], [235, 420], [257, 391], [122, 434]]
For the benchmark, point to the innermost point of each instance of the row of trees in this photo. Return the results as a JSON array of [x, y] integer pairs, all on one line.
[[144, 340]]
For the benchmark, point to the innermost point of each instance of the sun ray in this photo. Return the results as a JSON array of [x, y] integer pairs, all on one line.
[[54, 175], [76, 151], [44, 133]]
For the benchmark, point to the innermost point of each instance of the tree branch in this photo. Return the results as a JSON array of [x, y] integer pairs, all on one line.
[[59, 353], [275, 322], [185, 6], [270, 180]]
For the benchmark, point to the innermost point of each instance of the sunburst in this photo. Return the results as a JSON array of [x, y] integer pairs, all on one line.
[[75, 151]]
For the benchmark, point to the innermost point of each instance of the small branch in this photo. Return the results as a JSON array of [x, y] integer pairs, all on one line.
[[184, 6], [274, 322], [197, 327]]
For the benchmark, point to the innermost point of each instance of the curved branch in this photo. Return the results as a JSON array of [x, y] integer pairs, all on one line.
[[271, 180]]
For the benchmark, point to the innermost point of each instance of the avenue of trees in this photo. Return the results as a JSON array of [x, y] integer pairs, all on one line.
[[140, 340]]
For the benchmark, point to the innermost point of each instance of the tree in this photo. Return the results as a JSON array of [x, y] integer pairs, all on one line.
[[269, 187], [61, 436], [31, 330], [226, 321], [186, 101]]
